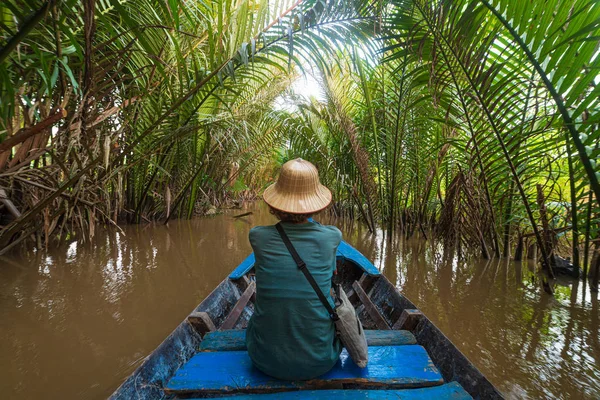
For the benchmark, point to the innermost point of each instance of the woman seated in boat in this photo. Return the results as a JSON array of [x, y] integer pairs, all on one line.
[[291, 335]]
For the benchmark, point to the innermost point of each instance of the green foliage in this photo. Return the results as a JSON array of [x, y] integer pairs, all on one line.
[[444, 114]]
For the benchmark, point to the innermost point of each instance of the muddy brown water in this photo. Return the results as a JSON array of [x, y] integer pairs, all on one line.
[[76, 321]]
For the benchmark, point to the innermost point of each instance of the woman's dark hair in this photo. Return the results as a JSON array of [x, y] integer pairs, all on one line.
[[289, 217]]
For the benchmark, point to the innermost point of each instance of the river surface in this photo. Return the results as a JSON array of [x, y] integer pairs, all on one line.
[[77, 320]]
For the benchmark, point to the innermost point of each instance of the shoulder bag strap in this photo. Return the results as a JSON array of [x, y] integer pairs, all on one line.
[[302, 266]]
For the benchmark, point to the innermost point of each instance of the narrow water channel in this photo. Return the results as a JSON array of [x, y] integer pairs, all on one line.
[[75, 321]]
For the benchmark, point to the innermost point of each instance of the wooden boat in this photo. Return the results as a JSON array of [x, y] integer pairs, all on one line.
[[409, 358]]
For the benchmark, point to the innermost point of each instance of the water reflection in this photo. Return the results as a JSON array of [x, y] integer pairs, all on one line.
[[529, 344], [77, 320]]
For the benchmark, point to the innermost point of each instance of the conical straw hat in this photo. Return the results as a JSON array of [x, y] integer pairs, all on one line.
[[298, 190]]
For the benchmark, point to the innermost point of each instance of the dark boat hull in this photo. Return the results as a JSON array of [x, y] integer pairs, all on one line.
[[148, 381]]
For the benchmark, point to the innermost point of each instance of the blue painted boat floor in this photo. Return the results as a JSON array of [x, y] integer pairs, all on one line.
[[235, 339], [406, 366], [449, 391]]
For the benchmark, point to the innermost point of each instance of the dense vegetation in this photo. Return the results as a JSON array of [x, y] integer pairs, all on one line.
[[474, 121]]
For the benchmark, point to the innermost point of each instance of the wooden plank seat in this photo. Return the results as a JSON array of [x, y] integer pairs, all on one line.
[[223, 372], [235, 339], [449, 391]]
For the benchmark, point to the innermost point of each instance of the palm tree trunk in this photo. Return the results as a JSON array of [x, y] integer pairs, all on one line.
[[574, 225]]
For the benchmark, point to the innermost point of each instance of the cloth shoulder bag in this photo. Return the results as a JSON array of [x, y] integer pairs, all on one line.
[[347, 324]]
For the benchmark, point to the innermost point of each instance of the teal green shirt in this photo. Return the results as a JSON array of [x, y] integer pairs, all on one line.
[[290, 335]]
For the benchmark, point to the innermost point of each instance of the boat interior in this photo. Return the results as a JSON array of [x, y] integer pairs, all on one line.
[[409, 358]]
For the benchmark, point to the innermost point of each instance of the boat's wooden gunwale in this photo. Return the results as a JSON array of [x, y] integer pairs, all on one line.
[[453, 365], [148, 380]]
